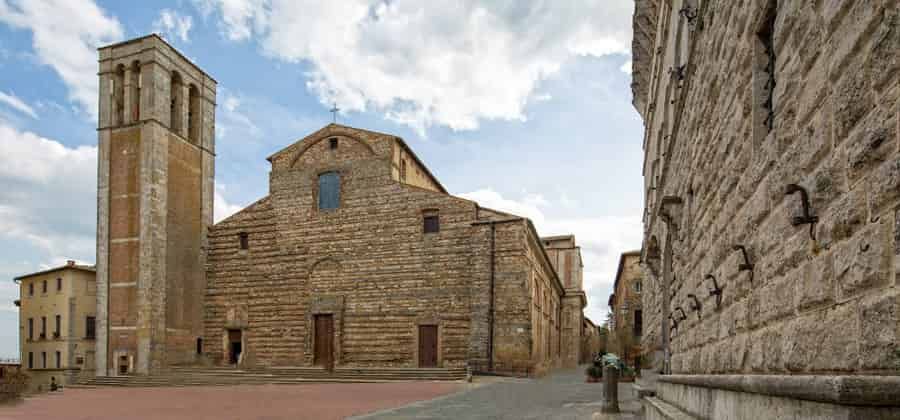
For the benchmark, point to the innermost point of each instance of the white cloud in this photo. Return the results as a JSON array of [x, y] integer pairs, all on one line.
[[173, 24], [13, 101], [239, 18], [449, 63], [221, 207], [49, 194], [626, 67], [65, 36], [602, 240]]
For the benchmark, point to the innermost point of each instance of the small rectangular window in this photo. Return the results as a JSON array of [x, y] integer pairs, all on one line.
[[44, 359], [58, 360], [432, 222], [90, 328], [403, 169], [44, 287], [43, 327], [31, 328], [30, 360], [59, 284], [333, 143], [637, 286], [244, 239], [30, 289], [56, 331]]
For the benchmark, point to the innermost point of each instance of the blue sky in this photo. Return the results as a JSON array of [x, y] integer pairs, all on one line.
[[523, 106]]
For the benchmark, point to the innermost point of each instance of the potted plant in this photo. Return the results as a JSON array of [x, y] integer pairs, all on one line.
[[626, 373], [593, 373]]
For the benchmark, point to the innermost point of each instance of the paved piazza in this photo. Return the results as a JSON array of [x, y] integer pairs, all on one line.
[[563, 395], [270, 402]]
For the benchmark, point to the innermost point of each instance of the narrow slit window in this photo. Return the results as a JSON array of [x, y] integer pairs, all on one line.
[[764, 75], [90, 327], [244, 239], [333, 143], [59, 284]]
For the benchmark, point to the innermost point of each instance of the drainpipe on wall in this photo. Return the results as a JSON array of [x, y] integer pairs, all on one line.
[[491, 305]]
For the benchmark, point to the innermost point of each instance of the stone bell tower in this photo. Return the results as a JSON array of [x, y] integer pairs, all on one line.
[[154, 204]]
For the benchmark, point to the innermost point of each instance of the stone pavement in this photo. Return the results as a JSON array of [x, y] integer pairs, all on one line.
[[562, 395], [270, 402]]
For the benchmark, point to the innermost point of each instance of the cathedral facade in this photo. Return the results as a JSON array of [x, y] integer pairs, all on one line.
[[357, 257]]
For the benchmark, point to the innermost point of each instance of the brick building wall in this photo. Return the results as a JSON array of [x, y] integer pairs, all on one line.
[[155, 183]]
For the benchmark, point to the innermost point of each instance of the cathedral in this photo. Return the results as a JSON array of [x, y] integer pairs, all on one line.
[[357, 257]]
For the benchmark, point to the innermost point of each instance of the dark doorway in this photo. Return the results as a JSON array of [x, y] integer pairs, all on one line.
[[428, 346], [234, 346], [123, 365], [324, 345]]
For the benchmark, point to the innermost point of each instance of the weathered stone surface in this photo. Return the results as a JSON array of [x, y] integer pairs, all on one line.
[[880, 320], [834, 133], [863, 262]]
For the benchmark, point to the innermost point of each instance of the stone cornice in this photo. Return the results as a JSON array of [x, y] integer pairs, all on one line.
[[867, 390]]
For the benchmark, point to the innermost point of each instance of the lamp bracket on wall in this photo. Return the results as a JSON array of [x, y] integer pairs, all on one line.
[[695, 305], [746, 265], [716, 290], [806, 218], [683, 315]]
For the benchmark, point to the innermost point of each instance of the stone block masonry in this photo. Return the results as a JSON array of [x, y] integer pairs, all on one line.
[[482, 279], [772, 93]]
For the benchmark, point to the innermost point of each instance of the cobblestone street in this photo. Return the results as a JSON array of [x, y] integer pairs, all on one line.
[[563, 395]]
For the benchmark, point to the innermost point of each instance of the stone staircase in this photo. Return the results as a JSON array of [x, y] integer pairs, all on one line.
[[212, 376]]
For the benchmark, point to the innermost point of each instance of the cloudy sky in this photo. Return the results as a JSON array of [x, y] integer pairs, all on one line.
[[524, 106]]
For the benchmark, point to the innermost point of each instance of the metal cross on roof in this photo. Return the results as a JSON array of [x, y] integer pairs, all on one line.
[[334, 112]]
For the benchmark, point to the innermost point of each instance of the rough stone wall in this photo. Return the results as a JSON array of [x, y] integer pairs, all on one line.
[[368, 263], [818, 300]]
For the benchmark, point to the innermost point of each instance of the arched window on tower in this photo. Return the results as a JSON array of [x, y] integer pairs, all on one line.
[[176, 93], [135, 91], [118, 95], [194, 114]]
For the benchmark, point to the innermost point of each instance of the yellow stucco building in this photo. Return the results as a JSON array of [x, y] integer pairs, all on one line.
[[57, 313]]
